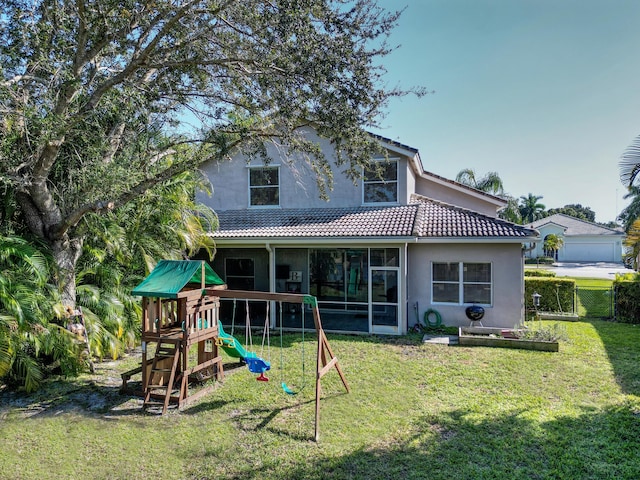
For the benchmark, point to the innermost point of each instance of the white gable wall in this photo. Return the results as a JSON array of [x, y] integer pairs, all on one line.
[[580, 248]]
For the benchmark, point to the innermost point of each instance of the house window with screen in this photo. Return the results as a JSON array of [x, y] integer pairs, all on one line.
[[240, 273], [462, 283], [264, 186], [380, 182]]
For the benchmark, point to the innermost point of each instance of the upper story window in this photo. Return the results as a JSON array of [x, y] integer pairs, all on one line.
[[461, 283], [380, 182], [264, 186]]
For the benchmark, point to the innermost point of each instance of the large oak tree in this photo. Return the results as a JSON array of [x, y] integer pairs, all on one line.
[[100, 101]]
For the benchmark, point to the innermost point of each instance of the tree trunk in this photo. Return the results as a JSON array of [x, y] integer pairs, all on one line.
[[66, 253]]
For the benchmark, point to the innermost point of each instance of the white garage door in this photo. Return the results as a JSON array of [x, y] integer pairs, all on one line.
[[588, 252]]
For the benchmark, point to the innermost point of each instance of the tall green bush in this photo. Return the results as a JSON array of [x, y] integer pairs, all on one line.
[[556, 294], [627, 300]]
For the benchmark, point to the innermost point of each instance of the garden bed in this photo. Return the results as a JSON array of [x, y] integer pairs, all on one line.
[[498, 337], [570, 317]]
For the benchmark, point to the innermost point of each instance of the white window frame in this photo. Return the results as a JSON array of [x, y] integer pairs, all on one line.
[[379, 181], [251, 187], [461, 283]]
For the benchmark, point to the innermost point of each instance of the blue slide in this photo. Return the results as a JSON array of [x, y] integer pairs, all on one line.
[[234, 349]]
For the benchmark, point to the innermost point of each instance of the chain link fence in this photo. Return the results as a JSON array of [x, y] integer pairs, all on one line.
[[594, 302]]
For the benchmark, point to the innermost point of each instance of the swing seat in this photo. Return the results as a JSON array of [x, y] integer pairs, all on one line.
[[257, 364], [287, 390]]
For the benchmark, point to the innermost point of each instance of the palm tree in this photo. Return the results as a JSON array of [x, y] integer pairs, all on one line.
[[490, 183], [630, 163], [632, 211], [632, 241], [29, 340], [512, 211], [552, 243], [530, 209], [124, 245], [629, 170]]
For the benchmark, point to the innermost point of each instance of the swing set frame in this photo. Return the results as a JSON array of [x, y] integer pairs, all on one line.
[[325, 358]]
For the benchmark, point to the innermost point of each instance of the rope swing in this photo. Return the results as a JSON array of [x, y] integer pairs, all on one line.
[[288, 390]]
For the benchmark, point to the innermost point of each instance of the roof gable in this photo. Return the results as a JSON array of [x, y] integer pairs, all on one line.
[[416, 164], [574, 226], [443, 220]]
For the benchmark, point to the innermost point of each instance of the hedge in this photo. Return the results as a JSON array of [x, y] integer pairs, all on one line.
[[539, 273], [551, 290], [627, 295]]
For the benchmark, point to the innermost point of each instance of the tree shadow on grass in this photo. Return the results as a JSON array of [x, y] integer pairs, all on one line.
[[460, 445], [622, 345], [80, 397]]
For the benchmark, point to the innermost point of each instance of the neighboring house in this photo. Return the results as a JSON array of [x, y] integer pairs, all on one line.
[[378, 255], [583, 241]]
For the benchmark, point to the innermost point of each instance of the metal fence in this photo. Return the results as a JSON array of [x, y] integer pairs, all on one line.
[[594, 302]]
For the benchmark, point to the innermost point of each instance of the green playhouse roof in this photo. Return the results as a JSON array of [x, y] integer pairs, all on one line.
[[171, 276]]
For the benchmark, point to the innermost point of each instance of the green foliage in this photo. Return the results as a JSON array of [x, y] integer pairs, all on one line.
[[538, 273], [539, 260], [557, 294], [102, 101], [627, 295], [630, 164], [415, 411], [512, 211], [530, 208], [31, 343], [554, 332], [490, 183], [553, 242], [576, 211]]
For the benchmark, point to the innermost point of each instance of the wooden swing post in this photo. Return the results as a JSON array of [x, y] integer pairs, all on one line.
[[325, 360]]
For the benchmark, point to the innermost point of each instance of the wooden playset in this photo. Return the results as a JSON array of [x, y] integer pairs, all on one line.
[[181, 302]]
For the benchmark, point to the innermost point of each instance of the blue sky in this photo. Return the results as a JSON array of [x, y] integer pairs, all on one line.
[[544, 92]]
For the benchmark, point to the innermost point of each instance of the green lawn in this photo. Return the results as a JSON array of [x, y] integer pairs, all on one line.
[[415, 411], [593, 282]]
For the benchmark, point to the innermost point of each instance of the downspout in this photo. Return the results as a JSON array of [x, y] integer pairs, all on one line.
[[267, 247]]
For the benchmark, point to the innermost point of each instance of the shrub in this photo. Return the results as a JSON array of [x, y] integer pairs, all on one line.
[[539, 273], [539, 261], [545, 333], [627, 304], [557, 294]]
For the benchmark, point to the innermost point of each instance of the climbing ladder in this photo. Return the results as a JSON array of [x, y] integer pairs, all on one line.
[[160, 384]]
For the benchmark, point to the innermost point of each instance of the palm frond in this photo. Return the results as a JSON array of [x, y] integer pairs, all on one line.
[[27, 370], [630, 163]]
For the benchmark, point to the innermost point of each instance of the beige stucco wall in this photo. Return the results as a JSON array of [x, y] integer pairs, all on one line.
[[448, 194], [508, 281], [298, 185]]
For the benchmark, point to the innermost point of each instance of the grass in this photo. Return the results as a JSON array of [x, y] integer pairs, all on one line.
[[593, 282], [415, 411]]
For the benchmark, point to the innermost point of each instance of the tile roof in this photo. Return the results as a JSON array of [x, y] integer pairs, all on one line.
[[393, 221], [424, 218], [441, 220], [575, 226]]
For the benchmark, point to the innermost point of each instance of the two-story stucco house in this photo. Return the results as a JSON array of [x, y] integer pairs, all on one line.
[[378, 254]]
